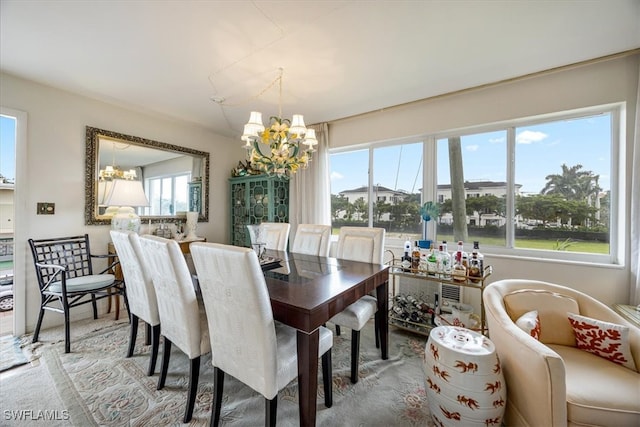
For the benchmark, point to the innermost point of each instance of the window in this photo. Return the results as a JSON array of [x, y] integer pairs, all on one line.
[[168, 195], [538, 186]]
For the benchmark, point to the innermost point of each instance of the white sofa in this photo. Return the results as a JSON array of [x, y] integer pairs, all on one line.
[[550, 382]]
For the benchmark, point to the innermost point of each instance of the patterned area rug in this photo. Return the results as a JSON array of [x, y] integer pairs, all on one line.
[[10, 353], [99, 386]]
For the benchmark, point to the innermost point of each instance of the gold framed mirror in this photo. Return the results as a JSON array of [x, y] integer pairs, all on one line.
[[175, 179]]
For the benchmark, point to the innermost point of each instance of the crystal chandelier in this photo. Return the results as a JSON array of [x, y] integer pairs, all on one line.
[[290, 144]]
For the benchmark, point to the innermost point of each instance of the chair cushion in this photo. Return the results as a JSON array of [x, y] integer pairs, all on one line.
[[530, 323], [94, 282], [599, 392], [357, 314], [287, 346], [604, 339], [552, 310]]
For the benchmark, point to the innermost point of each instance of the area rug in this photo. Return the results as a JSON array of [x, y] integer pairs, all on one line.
[[99, 386], [11, 354]]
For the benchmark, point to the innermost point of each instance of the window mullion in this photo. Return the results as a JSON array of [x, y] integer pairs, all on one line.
[[511, 188]]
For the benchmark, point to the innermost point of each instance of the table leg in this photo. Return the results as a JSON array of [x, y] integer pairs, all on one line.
[[382, 318], [308, 376]]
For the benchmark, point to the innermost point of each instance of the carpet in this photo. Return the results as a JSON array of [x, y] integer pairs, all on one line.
[[99, 386], [10, 353]]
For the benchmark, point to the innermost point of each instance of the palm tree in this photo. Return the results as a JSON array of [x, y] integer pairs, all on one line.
[[458, 195], [572, 183]]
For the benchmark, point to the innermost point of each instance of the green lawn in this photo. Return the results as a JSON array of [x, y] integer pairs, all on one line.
[[552, 245]]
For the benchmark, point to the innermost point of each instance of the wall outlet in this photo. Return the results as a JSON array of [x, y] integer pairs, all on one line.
[[45, 208]]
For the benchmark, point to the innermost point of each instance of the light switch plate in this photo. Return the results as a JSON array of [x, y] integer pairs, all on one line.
[[45, 208]]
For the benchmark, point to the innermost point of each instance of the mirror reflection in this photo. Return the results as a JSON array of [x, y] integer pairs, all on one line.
[[175, 179]]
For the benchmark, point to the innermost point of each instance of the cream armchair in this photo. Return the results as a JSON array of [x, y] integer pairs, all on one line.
[[550, 382]]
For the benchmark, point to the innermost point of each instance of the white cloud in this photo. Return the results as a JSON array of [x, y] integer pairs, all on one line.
[[529, 137], [473, 147], [497, 140], [336, 176]]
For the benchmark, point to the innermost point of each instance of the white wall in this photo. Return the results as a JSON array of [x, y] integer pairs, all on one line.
[[610, 81], [55, 171]]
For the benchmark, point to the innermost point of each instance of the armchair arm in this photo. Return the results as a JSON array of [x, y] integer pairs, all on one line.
[[535, 374], [51, 277], [112, 265]]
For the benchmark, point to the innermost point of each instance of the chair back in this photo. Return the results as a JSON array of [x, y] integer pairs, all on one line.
[[364, 244], [276, 235], [73, 253], [140, 291], [312, 239], [241, 324], [177, 302]]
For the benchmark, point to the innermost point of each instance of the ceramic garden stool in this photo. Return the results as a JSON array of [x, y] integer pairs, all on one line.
[[463, 378]]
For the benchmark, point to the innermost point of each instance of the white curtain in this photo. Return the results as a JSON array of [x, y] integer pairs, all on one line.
[[310, 191], [634, 279]]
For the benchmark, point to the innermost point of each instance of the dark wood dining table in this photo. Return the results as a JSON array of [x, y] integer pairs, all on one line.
[[305, 292]]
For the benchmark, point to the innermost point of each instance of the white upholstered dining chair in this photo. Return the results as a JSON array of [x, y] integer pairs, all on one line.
[[246, 342], [275, 235], [183, 318], [312, 239], [363, 244], [140, 292]]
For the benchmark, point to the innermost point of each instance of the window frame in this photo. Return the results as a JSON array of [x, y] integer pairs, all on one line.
[[617, 225]]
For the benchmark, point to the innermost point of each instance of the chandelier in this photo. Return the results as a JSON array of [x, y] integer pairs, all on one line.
[[112, 172], [288, 144]]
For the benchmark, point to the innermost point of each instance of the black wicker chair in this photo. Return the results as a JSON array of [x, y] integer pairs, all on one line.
[[65, 277]]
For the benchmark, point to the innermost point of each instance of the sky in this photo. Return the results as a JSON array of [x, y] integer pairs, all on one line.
[[540, 151], [7, 147]]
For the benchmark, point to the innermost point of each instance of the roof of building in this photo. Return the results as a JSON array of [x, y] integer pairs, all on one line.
[[365, 188]]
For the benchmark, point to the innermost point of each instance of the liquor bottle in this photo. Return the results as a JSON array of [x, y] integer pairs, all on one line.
[[406, 258], [476, 247], [464, 257], [436, 308], [475, 269], [459, 271], [432, 261], [415, 257], [444, 266]]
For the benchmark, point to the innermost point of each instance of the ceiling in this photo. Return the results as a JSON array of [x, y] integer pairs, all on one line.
[[339, 58]]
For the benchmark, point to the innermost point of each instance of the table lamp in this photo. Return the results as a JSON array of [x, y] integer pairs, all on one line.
[[126, 194]]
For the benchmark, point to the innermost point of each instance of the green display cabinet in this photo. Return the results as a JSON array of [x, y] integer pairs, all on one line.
[[256, 199]]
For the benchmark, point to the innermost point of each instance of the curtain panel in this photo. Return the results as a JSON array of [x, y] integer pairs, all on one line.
[[310, 190]]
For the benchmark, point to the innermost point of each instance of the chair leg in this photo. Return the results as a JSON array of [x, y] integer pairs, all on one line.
[[327, 379], [133, 335], [67, 326], [147, 337], [355, 355], [38, 324], [155, 344], [126, 300], [194, 373], [95, 306], [338, 330], [166, 354], [218, 385], [271, 411]]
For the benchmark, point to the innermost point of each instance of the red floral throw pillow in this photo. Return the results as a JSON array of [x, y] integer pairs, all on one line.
[[530, 323], [608, 340]]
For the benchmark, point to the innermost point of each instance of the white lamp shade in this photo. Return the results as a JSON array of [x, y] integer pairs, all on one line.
[[127, 193], [255, 119], [297, 125], [310, 138]]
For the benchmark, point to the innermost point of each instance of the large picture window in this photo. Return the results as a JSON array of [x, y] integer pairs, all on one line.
[[538, 186], [168, 195]]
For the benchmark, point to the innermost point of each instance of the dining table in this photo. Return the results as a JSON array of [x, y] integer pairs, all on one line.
[[305, 292]]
